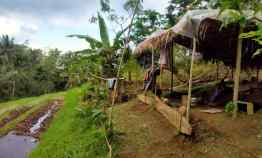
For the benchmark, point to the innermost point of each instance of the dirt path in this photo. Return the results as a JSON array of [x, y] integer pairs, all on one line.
[[148, 134]]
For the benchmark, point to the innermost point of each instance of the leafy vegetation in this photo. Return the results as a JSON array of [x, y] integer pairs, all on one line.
[[80, 128], [230, 106], [83, 127], [103, 50], [28, 72]]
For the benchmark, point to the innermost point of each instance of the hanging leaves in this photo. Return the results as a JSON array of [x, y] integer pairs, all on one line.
[[255, 35], [105, 5], [230, 16], [94, 43], [103, 31]]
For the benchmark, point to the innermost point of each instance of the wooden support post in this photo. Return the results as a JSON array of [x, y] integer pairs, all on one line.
[[161, 75], [190, 80], [237, 74], [217, 64], [258, 74], [172, 68], [153, 64]]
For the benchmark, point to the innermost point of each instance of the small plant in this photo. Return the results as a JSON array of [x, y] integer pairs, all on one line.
[[230, 106]]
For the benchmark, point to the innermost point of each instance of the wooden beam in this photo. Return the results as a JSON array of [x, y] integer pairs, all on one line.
[[190, 81], [237, 74], [171, 114]]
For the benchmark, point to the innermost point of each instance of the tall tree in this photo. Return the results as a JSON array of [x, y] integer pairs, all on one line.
[[177, 8], [145, 24]]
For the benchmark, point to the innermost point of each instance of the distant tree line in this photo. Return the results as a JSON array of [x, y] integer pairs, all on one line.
[[30, 72]]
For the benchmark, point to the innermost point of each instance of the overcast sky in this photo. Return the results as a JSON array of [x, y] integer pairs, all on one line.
[[45, 23]]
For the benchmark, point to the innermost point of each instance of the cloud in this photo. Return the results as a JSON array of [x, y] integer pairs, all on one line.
[[47, 7], [23, 19], [159, 5], [45, 23], [9, 26], [16, 27], [44, 10]]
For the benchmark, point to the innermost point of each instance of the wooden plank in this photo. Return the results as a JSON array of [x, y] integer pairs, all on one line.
[[250, 107], [171, 114]]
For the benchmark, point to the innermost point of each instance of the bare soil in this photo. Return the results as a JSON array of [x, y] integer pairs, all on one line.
[[23, 128], [13, 115], [147, 134]]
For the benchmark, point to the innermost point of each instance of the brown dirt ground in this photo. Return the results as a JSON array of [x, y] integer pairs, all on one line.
[[147, 134], [23, 128]]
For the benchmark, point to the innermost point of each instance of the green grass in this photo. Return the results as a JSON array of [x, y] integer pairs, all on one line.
[[67, 136], [34, 102]]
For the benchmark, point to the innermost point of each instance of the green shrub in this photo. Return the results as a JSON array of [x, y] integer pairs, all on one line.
[[230, 106]]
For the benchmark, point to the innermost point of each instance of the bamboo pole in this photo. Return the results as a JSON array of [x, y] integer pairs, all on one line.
[[217, 64], [161, 75], [117, 80], [153, 64], [257, 74], [190, 80], [172, 68], [237, 74]]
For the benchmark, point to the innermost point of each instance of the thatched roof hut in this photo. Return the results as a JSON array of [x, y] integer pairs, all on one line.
[[213, 41]]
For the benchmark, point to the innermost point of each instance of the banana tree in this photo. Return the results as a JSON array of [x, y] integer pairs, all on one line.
[[103, 48]]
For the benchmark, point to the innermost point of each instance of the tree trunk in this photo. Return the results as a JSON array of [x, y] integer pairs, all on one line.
[[129, 76], [217, 64], [232, 73], [237, 74], [258, 74], [13, 89]]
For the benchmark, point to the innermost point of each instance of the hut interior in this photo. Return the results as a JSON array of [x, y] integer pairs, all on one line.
[[215, 43]]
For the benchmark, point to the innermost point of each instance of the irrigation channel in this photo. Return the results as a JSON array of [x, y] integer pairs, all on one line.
[[19, 142]]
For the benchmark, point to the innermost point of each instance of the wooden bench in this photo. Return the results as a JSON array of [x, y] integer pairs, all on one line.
[[250, 107]]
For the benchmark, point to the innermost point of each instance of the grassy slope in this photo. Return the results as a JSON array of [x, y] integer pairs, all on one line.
[[66, 136], [35, 102]]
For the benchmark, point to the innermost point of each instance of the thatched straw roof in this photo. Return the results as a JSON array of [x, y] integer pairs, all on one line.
[[150, 41], [212, 41], [182, 32]]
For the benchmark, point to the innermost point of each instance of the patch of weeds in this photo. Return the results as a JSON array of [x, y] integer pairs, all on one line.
[[93, 114], [230, 106]]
